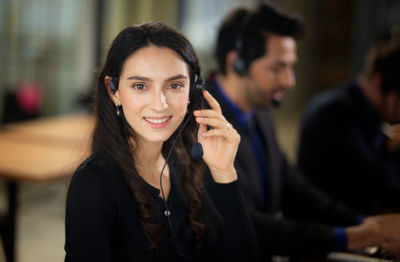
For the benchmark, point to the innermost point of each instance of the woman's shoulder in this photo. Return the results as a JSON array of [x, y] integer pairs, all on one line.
[[98, 159], [98, 169], [98, 187]]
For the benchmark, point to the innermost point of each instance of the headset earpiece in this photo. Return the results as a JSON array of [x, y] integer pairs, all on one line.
[[199, 87], [240, 66], [113, 83], [196, 89]]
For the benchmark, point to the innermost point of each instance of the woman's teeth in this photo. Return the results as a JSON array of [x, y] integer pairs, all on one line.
[[156, 120]]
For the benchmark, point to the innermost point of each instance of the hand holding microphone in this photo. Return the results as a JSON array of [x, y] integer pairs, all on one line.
[[220, 143]]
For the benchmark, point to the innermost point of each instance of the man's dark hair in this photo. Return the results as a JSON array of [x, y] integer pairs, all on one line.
[[384, 59], [248, 31]]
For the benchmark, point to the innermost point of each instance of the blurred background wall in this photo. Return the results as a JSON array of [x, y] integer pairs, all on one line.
[[59, 45]]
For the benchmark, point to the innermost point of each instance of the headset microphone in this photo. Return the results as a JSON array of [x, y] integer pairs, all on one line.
[[276, 102], [197, 151]]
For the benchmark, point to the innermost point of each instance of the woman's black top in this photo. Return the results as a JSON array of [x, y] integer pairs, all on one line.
[[102, 219]]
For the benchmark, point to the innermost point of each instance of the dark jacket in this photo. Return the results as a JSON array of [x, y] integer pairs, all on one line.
[[342, 151], [296, 219]]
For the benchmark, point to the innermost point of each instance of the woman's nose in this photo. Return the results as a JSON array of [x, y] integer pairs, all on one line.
[[160, 101]]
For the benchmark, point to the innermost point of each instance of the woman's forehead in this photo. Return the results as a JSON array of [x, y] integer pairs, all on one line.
[[152, 60]]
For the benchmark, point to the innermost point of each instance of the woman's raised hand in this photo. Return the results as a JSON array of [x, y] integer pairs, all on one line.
[[220, 143]]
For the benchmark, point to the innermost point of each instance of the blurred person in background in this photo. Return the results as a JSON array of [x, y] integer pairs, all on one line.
[[256, 52], [349, 143], [24, 103]]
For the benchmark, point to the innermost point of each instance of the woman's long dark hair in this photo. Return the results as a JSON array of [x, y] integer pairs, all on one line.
[[113, 134]]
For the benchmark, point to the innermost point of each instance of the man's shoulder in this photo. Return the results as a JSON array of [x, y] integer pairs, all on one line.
[[337, 101]]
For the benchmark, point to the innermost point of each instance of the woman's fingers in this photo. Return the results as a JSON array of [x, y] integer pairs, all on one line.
[[211, 101], [229, 134], [219, 127], [202, 129], [213, 117], [213, 122], [208, 113], [219, 132]]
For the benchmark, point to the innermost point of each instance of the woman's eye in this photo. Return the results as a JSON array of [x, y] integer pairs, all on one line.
[[139, 87], [176, 86]]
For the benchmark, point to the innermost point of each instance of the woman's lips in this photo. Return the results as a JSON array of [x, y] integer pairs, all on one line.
[[158, 122]]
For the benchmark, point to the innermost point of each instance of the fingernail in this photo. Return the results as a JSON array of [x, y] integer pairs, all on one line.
[[199, 119], [196, 113]]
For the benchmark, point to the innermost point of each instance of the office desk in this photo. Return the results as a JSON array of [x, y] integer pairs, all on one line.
[[38, 151], [351, 257]]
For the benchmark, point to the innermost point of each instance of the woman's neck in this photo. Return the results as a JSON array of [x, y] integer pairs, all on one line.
[[149, 162]]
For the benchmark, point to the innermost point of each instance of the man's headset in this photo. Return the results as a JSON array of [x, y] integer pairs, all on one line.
[[241, 64], [195, 98]]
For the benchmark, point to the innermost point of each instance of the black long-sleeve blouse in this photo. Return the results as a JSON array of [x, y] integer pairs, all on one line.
[[102, 219]]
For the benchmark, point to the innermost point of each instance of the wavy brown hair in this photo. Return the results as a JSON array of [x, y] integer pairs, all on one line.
[[114, 135]]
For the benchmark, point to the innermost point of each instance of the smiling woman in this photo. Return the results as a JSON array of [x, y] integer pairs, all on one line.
[[140, 197], [153, 92]]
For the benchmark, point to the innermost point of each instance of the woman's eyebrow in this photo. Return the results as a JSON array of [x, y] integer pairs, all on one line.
[[141, 78], [176, 77], [146, 79]]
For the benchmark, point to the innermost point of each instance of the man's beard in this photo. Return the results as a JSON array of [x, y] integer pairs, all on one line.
[[256, 97]]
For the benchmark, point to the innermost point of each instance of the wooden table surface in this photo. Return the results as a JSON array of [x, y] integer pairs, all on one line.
[[39, 150], [44, 149]]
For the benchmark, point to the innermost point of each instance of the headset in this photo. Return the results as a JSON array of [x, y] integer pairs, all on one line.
[[195, 96], [241, 65], [113, 83]]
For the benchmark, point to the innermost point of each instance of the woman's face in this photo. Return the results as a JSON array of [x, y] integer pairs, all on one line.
[[154, 92]]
